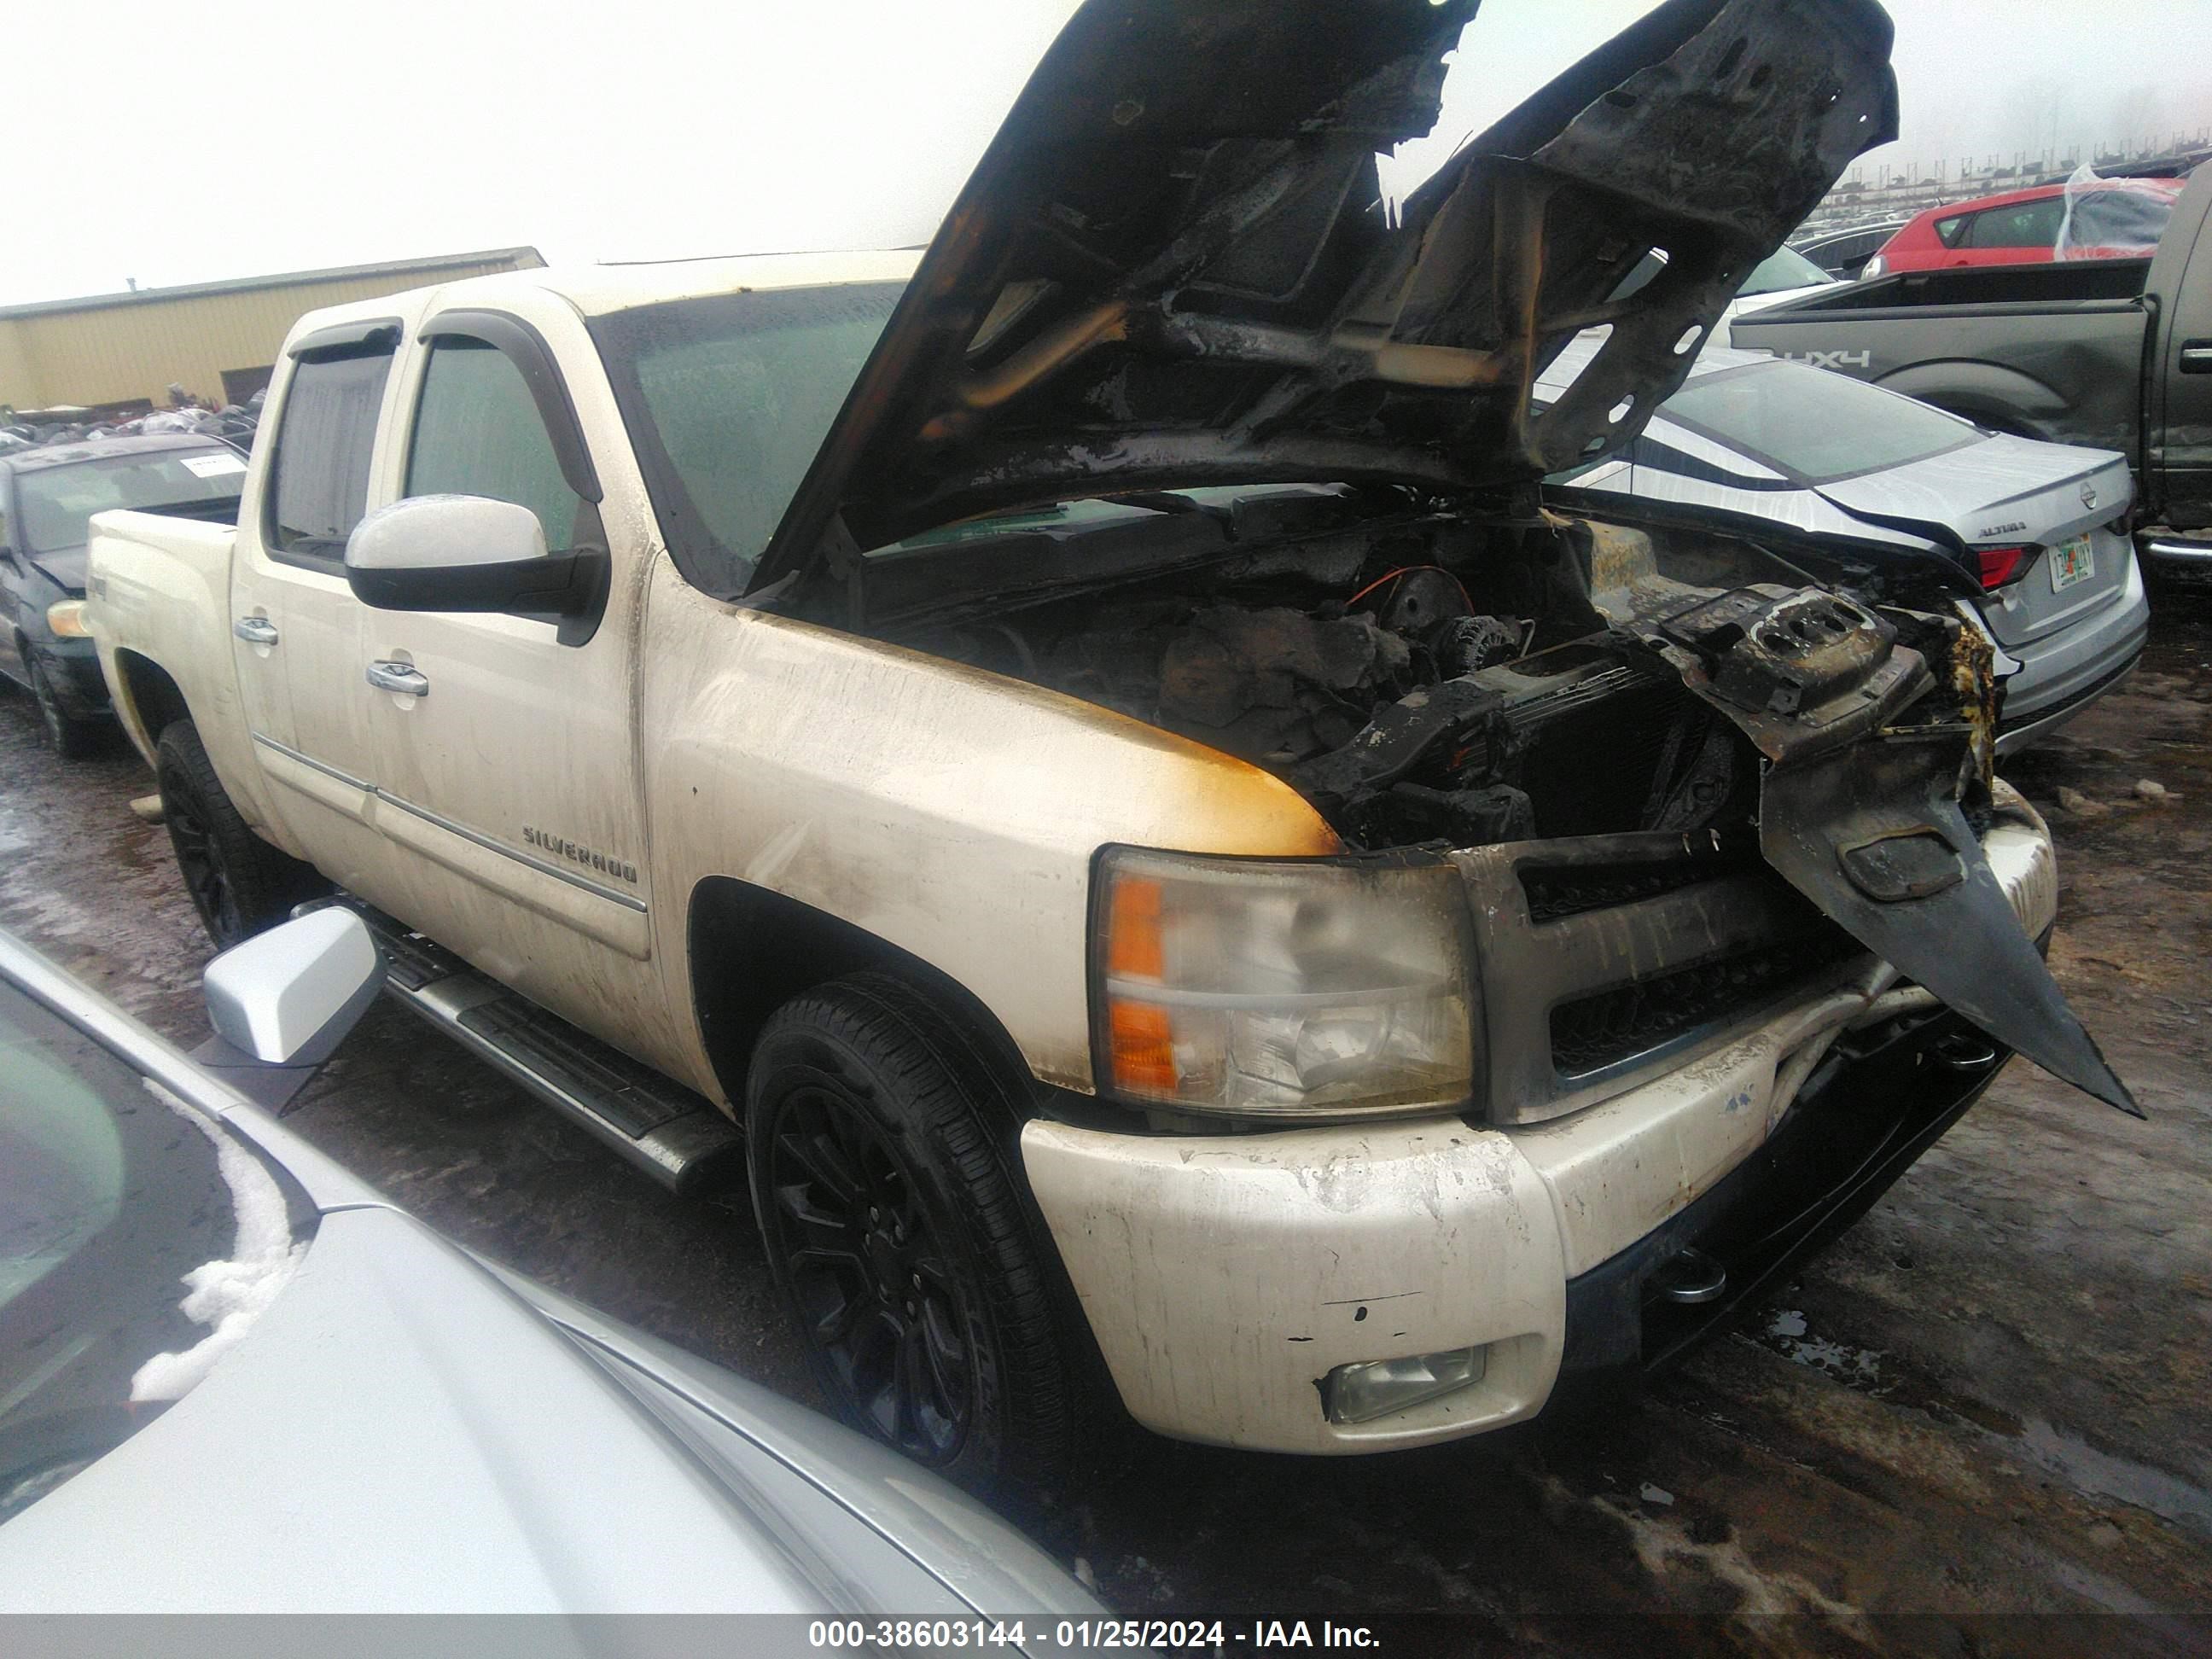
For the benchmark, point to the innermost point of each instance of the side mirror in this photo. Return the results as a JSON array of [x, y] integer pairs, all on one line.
[[472, 553], [283, 1001]]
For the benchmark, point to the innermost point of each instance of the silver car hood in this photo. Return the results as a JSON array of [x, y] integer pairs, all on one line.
[[1996, 492], [401, 1433]]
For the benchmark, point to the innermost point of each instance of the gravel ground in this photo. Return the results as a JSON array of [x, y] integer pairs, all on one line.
[[1988, 1400]]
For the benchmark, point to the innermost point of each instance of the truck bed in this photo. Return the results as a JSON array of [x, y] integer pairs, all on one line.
[[2047, 351]]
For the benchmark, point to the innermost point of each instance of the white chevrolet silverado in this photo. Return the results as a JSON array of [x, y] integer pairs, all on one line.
[[1083, 760]]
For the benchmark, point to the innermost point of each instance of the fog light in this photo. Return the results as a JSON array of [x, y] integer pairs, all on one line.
[[1360, 1393]]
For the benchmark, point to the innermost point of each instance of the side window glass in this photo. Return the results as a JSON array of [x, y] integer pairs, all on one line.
[[2032, 224], [1948, 231], [325, 435], [478, 433]]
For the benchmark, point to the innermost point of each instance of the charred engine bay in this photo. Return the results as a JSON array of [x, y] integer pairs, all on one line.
[[1441, 681]]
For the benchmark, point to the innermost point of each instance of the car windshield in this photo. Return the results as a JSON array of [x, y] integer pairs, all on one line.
[[1811, 423], [727, 398], [107, 1199], [1784, 268], [55, 502]]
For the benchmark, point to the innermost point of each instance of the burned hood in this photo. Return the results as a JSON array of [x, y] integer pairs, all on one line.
[[1173, 266]]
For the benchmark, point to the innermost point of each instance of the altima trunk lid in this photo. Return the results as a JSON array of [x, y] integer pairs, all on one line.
[[2011, 492], [1173, 267]]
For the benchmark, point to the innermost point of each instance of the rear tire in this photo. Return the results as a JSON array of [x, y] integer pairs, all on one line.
[[68, 735], [883, 1140], [239, 883]]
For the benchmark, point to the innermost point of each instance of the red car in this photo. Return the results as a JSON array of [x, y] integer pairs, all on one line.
[[2113, 219]]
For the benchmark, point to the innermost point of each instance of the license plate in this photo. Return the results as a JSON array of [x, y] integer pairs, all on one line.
[[2072, 562]]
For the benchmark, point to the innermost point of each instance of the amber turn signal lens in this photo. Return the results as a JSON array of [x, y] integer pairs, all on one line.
[[1143, 1042], [66, 618]]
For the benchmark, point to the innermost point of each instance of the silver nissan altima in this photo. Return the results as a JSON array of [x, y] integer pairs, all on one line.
[[235, 1379], [2033, 536]]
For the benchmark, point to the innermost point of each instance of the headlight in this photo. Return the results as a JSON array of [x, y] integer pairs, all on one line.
[[1312, 990], [66, 618]]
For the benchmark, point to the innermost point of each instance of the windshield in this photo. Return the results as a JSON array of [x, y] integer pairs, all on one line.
[[107, 1201], [1784, 268], [727, 398], [1811, 423], [56, 502]]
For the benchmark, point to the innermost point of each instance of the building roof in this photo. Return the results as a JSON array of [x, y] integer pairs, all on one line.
[[426, 268]]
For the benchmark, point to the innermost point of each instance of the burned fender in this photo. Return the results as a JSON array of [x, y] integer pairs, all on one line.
[[1859, 801]]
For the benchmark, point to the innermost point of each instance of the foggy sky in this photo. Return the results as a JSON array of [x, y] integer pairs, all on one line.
[[182, 143]]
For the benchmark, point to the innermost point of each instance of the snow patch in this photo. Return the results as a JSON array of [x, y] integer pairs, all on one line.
[[227, 1295]]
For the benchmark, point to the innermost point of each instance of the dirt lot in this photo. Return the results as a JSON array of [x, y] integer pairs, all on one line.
[[1989, 1399]]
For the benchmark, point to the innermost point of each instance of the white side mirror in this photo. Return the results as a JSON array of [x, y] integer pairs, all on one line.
[[287, 997]]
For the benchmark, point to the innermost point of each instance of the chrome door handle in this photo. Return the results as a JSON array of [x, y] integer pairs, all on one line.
[[2196, 358], [255, 630], [398, 676]]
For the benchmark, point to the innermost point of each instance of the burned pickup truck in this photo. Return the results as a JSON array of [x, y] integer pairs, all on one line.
[[1085, 764]]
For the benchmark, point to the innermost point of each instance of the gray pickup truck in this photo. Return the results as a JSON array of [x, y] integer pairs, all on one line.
[[2113, 353]]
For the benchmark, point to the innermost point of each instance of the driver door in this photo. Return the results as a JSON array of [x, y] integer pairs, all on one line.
[[505, 751]]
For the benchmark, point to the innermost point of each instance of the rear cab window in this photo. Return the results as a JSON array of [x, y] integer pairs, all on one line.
[[326, 439]]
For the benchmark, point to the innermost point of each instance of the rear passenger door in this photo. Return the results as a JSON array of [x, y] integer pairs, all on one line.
[[295, 624], [510, 777]]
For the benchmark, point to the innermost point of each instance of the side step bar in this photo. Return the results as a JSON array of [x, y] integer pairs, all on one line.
[[676, 1136]]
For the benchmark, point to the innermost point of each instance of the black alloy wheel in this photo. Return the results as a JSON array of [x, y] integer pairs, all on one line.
[[868, 1271], [883, 1141], [202, 866], [239, 883]]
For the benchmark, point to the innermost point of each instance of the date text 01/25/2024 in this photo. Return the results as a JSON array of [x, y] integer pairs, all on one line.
[[1073, 1634]]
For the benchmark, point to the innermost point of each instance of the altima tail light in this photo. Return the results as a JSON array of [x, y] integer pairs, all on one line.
[[2000, 565]]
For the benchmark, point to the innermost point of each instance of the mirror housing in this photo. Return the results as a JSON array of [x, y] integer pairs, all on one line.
[[472, 553], [286, 998]]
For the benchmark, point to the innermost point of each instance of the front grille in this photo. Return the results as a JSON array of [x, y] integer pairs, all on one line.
[[1573, 889], [1605, 956], [1590, 1033]]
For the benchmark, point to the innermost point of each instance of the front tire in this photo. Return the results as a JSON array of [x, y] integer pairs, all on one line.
[[884, 1153], [239, 883], [67, 735]]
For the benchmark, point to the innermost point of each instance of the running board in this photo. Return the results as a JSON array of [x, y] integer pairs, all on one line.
[[676, 1137]]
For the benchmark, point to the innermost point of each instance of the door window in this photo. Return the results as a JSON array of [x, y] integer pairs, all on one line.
[[2029, 224], [478, 433], [326, 433]]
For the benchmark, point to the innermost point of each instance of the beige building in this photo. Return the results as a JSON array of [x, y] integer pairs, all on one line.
[[121, 352]]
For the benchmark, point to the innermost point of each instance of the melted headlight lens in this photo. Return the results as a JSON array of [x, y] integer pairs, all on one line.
[[1288, 990]]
